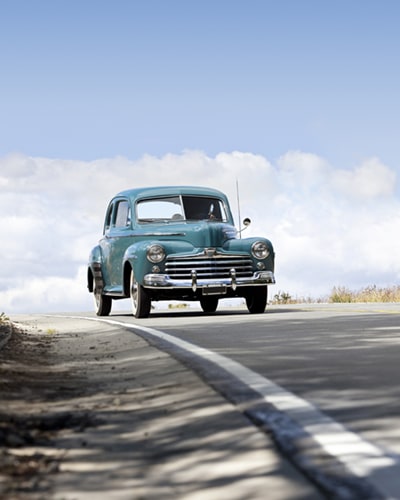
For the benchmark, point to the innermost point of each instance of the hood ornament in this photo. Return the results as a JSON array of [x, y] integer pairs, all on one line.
[[210, 252]]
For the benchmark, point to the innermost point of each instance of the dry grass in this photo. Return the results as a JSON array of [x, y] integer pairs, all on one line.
[[368, 294], [342, 294], [4, 318]]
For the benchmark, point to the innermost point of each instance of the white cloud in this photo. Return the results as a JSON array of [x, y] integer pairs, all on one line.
[[303, 172], [368, 181], [329, 226], [48, 293]]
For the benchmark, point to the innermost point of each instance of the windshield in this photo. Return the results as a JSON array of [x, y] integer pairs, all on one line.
[[175, 208]]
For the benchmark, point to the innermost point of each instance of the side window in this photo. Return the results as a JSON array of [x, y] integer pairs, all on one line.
[[122, 216]]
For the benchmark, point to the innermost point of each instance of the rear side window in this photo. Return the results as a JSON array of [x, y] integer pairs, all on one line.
[[107, 222], [118, 215]]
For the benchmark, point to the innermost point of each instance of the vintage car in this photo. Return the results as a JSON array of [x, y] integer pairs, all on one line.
[[176, 243]]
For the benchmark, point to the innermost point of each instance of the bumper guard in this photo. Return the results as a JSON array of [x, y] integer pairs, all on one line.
[[164, 281]]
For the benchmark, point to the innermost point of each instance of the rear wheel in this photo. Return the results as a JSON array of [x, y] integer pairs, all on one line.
[[256, 299], [209, 304], [140, 299], [102, 303]]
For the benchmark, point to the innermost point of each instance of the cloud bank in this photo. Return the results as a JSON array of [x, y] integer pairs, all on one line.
[[329, 226]]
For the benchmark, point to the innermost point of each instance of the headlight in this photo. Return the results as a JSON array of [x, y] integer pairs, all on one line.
[[260, 250], [155, 253]]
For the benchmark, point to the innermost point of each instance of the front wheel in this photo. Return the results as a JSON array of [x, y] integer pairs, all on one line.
[[140, 299], [256, 299], [102, 303], [209, 304]]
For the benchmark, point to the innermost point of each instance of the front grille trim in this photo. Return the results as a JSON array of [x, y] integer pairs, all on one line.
[[206, 267]]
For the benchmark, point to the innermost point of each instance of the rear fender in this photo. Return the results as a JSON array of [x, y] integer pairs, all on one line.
[[94, 272]]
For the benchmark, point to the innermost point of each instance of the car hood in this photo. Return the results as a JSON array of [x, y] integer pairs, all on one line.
[[200, 234]]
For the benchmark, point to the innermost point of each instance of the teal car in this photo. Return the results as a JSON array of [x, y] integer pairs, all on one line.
[[176, 243]]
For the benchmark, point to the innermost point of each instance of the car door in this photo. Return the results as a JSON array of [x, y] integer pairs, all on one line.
[[117, 238]]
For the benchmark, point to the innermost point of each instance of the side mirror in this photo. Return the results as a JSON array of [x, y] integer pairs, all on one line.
[[246, 224]]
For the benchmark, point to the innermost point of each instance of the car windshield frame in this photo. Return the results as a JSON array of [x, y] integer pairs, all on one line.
[[180, 208]]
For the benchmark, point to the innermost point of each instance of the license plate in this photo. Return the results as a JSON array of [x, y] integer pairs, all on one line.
[[214, 290]]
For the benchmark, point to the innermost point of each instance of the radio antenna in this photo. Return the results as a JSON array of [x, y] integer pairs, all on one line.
[[238, 206]]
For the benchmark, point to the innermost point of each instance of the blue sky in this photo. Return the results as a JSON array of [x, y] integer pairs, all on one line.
[[90, 79], [297, 99]]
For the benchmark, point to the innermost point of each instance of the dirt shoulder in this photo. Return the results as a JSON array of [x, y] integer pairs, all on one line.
[[19, 382], [91, 411]]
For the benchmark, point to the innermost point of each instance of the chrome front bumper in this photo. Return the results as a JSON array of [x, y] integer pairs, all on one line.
[[218, 284]]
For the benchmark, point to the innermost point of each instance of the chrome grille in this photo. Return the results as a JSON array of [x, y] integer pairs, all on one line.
[[206, 267]]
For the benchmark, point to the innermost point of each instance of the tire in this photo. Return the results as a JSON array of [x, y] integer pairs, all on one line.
[[102, 303], [209, 304], [256, 299], [140, 299]]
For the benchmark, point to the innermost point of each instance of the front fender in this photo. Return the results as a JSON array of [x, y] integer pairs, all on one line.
[[135, 255], [244, 246]]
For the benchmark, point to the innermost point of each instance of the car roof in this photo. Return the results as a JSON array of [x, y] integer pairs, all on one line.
[[148, 192]]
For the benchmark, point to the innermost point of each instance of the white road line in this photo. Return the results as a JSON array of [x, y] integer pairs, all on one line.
[[361, 457]]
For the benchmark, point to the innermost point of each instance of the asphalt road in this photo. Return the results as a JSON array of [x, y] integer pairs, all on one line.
[[90, 410], [319, 381], [341, 359]]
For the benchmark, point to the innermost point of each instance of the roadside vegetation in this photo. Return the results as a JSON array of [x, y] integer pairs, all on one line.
[[4, 318], [342, 294], [339, 294]]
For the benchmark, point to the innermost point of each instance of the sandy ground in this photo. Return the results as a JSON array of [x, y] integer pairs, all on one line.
[[91, 411]]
